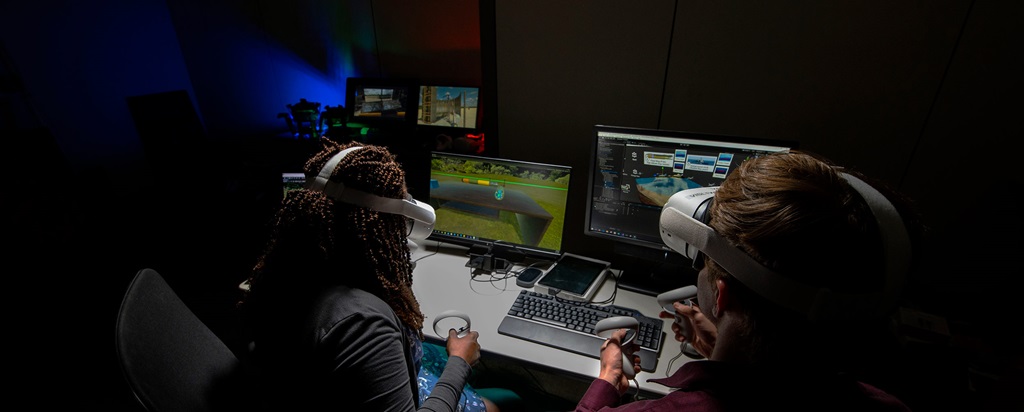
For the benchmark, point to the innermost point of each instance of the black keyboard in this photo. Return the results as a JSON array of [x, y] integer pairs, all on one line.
[[567, 325]]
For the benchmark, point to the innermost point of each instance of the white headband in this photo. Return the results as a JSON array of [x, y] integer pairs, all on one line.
[[421, 212], [682, 231]]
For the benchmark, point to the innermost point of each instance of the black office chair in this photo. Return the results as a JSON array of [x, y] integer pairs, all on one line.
[[170, 358]]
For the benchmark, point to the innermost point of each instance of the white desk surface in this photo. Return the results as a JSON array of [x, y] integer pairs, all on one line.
[[442, 282]]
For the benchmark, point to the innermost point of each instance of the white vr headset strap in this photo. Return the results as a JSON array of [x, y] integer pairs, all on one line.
[[766, 282], [815, 302], [324, 177], [409, 207], [895, 239]]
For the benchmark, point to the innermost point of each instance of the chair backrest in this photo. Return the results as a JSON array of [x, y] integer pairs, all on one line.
[[170, 358]]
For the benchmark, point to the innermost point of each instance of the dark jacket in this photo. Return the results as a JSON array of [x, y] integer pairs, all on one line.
[[719, 386]]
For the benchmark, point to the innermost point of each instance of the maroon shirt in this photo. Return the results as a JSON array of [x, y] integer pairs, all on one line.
[[720, 386]]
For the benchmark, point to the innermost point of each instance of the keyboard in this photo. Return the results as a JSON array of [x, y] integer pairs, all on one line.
[[567, 325]]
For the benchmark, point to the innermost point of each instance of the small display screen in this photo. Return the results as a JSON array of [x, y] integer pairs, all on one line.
[[574, 274], [448, 106]]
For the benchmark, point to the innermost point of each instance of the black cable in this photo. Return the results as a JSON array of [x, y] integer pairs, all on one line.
[[615, 292], [437, 246], [668, 368]]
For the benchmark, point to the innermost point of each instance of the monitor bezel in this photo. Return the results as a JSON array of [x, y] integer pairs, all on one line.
[[502, 248]]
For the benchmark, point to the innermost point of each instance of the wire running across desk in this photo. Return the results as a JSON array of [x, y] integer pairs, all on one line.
[[547, 320]]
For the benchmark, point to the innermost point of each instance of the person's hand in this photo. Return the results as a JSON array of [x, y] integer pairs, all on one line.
[[704, 332], [465, 347], [611, 361]]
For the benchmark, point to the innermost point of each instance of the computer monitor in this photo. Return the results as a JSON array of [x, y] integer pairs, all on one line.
[[510, 208], [633, 172], [380, 102], [292, 181], [455, 107]]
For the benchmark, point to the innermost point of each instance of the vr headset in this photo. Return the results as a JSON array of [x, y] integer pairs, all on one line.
[[684, 228], [420, 216]]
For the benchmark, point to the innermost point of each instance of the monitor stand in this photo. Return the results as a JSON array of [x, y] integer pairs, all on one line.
[[653, 274], [489, 263], [493, 258]]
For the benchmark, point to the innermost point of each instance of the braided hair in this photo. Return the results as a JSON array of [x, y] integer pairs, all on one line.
[[317, 242]]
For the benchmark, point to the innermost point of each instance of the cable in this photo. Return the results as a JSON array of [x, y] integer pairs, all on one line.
[[636, 395], [437, 246], [491, 279], [668, 367], [615, 292]]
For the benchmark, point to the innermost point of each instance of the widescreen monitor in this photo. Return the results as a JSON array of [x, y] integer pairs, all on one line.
[[634, 171], [511, 207]]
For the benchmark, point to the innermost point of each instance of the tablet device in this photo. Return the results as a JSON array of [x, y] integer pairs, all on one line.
[[574, 277]]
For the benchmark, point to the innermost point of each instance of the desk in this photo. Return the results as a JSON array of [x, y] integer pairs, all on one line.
[[442, 282]]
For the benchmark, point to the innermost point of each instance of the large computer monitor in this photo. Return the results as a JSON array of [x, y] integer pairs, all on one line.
[[509, 208], [634, 171]]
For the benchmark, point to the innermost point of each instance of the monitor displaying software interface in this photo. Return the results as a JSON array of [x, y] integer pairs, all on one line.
[[502, 203], [634, 172]]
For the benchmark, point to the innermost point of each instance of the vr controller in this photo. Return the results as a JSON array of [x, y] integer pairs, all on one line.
[[683, 294], [605, 327], [461, 323]]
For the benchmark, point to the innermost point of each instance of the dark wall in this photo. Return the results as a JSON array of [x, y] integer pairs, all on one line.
[[879, 86], [922, 94], [146, 134], [856, 82]]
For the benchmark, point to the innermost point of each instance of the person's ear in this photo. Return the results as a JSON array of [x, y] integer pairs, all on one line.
[[723, 300]]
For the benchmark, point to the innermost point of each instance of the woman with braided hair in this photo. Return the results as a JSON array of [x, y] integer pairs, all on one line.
[[330, 305]]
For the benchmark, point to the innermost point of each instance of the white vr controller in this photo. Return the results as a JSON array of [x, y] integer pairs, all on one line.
[[460, 331], [605, 327], [683, 294]]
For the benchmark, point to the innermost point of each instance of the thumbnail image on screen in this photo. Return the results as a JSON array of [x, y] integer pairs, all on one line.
[[448, 106], [381, 102], [491, 201]]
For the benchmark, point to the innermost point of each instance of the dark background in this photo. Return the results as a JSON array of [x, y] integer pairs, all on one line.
[[145, 134]]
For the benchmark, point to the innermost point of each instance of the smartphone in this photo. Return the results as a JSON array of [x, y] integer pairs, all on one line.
[[528, 277]]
